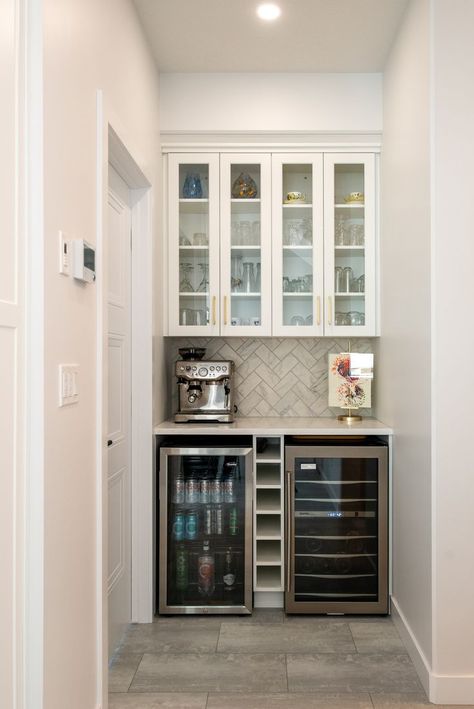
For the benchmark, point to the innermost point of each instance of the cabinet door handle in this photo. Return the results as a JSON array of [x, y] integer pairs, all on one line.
[[213, 309], [225, 310], [318, 310], [329, 310], [289, 512]]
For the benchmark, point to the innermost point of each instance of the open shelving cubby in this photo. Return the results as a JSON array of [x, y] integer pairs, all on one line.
[[269, 542]]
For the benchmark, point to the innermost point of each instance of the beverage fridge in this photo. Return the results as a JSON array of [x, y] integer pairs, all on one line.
[[205, 529], [337, 516]]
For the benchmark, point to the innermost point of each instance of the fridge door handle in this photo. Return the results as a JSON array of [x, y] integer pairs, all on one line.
[[289, 511]]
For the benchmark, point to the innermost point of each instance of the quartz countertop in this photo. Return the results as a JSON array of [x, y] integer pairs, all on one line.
[[278, 427]]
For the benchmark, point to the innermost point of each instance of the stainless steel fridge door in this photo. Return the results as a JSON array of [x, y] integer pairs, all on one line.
[[240, 603], [337, 529]]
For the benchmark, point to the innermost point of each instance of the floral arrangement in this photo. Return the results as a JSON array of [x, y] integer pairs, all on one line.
[[345, 390]]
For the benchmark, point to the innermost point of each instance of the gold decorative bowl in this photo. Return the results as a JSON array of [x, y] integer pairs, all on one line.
[[356, 197]]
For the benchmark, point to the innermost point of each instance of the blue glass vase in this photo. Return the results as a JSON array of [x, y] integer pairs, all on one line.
[[192, 188]]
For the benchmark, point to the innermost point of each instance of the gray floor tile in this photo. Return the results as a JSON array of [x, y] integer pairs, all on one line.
[[122, 670], [219, 673], [259, 616], [352, 673], [289, 701], [409, 701], [376, 637], [188, 621], [160, 700], [284, 637], [172, 637]]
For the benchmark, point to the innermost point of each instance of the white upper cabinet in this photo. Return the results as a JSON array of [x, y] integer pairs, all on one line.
[[193, 244], [298, 257], [349, 244], [279, 244], [246, 247]]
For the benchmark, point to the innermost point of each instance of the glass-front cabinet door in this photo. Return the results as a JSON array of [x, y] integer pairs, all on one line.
[[297, 224], [193, 244], [349, 213], [246, 244]]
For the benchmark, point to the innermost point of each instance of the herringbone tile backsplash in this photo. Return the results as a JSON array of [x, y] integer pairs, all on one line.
[[274, 376]]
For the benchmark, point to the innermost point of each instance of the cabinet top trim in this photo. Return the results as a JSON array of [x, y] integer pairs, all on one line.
[[303, 148]]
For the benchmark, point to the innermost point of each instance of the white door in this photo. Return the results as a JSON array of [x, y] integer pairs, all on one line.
[[119, 409], [193, 244], [246, 245], [297, 231], [349, 245]]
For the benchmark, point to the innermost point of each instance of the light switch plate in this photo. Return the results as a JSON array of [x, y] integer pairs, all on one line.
[[64, 255], [68, 384]]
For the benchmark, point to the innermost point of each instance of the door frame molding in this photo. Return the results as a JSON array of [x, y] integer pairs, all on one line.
[[112, 149]]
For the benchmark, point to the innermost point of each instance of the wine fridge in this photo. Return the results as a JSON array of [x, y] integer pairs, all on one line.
[[205, 529], [337, 517]]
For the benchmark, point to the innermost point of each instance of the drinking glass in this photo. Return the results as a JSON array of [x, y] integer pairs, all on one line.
[[338, 279], [339, 229], [297, 320], [258, 277], [347, 276], [248, 277], [184, 283], [256, 233], [203, 287], [245, 233]]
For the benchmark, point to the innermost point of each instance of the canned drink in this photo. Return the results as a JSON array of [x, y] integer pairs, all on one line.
[[229, 490], [208, 521], [205, 491], [216, 491], [178, 490], [192, 490], [191, 525], [178, 526], [219, 529], [233, 527]]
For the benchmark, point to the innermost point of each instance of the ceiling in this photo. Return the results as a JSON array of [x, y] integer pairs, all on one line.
[[310, 35]]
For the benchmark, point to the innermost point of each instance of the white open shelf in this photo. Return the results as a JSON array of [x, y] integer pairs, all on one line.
[[268, 501], [268, 515], [268, 475], [269, 552], [272, 453], [268, 526], [268, 578]]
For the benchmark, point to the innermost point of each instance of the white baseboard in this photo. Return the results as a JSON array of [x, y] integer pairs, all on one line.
[[441, 689], [268, 599], [417, 655]]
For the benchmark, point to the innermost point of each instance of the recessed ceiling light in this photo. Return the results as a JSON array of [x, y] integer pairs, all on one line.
[[268, 11]]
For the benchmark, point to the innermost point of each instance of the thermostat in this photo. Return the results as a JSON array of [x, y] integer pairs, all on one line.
[[83, 261]]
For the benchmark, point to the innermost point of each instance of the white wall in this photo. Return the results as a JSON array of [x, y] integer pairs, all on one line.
[[88, 45], [404, 377], [453, 341], [11, 370], [271, 102]]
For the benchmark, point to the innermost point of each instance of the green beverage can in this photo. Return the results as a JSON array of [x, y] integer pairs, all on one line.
[[233, 527], [181, 568]]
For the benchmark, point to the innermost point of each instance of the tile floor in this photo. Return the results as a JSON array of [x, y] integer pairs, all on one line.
[[264, 661]]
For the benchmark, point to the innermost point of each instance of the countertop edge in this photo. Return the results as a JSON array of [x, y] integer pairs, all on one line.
[[277, 427]]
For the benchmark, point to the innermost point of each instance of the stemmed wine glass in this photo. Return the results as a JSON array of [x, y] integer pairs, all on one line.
[[184, 282], [203, 287]]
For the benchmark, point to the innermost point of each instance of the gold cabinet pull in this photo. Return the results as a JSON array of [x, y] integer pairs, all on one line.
[[318, 310], [214, 309], [329, 310], [225, 310]]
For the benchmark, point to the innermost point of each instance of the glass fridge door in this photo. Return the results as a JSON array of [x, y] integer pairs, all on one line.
[[338, 535], [205, 545]]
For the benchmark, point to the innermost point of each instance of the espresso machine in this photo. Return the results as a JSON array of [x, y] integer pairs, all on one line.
[[205, 388]]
